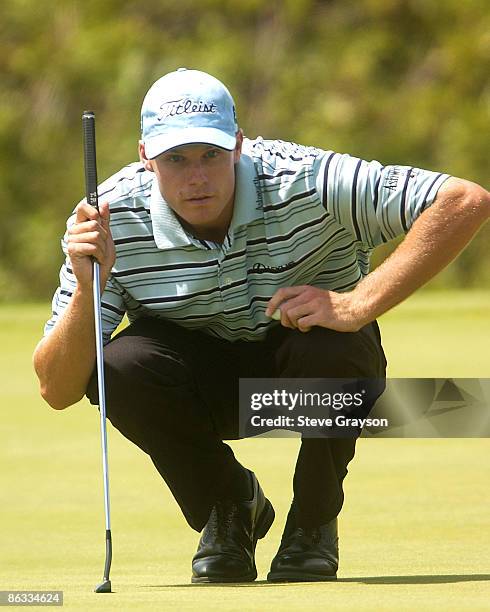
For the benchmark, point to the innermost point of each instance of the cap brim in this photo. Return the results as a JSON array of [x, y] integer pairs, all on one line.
[[163, 142]]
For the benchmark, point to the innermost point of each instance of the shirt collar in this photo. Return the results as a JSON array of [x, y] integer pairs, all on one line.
[[168, 231], [248, 197]]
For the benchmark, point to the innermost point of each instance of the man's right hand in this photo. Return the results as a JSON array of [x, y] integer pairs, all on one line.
[[90, 236]]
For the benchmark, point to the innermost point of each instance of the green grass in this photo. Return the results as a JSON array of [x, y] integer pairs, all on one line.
[[414, 529], [439, 334]]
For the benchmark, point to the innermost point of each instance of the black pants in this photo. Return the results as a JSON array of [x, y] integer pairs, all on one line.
[[174, 393]]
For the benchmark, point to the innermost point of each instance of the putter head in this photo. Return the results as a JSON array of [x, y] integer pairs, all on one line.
[[103, 587]]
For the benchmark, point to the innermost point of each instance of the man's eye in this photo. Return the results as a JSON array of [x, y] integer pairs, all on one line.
[[173, 157], [212, 153]]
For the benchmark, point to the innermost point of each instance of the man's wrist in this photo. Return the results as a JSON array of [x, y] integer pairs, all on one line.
[[83, 292], [361, 306]]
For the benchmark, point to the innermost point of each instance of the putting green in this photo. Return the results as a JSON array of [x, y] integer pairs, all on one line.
[[414, 530]]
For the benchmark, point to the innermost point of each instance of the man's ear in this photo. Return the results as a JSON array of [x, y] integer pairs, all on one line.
[[238, 147], [143, 159]]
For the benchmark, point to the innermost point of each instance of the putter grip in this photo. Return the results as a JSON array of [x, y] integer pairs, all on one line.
[[88, 124]]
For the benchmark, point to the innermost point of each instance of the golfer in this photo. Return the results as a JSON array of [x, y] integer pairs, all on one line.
[[200, 243]]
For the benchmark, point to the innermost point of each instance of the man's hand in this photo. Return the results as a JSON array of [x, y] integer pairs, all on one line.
[[70, 347], [90, 236], [435, 238], [304, 306]]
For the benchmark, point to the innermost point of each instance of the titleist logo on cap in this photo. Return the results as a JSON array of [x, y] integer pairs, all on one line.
[[184, 106]]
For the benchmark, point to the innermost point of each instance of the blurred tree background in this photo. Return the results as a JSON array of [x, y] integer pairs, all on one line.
[[401, 81]]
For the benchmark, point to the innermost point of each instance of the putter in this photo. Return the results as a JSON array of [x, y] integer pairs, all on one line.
[[88, 124]]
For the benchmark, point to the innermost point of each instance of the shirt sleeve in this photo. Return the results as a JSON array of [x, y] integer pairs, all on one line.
[[112, 302], [375, 203]]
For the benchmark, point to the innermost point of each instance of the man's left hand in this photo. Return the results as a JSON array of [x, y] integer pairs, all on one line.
[[303, 307]]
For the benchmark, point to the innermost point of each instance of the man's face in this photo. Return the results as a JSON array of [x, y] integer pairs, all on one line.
[[198, 183]]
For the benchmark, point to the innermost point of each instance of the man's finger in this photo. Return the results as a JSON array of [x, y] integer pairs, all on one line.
[[296, 312], [306, 323], [85, 212], [279, 296], [87, 226], [286, 321], [105, 214], [86, 249], [88, 238]]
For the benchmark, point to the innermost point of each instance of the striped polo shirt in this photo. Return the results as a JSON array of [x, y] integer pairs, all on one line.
[[302, 216]]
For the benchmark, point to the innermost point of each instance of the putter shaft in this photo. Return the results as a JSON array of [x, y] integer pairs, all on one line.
[[89, 151], [106, 585]]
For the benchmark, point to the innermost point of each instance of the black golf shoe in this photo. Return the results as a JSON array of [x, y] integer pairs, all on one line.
[[306, 554], [226, 551]]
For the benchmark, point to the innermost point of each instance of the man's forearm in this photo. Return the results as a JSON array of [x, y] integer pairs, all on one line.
[[64, 360], [434, 240]]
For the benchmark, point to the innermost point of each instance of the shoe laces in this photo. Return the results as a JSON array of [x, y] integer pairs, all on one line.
[[224, 515], [312, 533]]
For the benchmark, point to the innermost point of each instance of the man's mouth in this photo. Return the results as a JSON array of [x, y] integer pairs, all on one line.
[[198, 199]]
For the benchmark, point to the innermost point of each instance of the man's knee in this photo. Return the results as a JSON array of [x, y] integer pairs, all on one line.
[[326, 353], [131, 363], [149, 391]]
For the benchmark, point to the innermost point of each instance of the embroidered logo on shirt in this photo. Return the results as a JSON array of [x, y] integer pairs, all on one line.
[[181, 288], [391, 181], [260, 268], [258, 190]]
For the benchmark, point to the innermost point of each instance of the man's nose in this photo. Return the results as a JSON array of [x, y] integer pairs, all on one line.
[[197, 174]]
